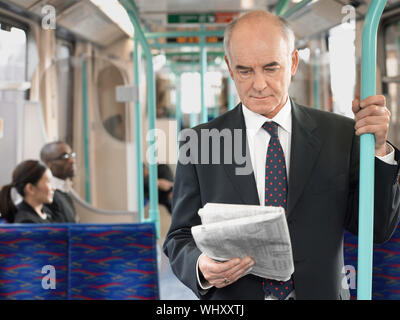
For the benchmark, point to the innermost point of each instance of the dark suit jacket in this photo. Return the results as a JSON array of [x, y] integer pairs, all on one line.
[[62, 207], [26, 214], [322, 202]]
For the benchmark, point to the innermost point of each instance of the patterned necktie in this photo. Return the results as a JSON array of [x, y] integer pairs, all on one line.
[[275, 195]]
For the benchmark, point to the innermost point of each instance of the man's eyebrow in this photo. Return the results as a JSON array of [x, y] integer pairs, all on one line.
[[272, 64], [243, 67], [268, 65]]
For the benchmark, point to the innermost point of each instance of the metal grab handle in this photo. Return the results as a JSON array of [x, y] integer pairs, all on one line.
[[367, 154], [89, 207]]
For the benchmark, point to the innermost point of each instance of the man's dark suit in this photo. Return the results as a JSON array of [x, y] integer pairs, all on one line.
[[63, 207], [322, 201]]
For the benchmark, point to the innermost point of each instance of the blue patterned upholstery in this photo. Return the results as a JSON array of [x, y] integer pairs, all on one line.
[[386, 266], [91, 261], [24, 251], [116, 262]]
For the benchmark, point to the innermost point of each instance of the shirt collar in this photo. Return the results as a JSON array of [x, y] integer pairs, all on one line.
[[254, 121], [62, 185]]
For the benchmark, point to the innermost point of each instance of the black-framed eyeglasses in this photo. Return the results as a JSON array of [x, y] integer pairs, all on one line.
[[65, 156]]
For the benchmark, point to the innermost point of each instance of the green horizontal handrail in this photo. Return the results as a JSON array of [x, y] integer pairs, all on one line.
[[175, 34], [295, 8], [281, 7], [195, 53], [189, 44], [203, 71]]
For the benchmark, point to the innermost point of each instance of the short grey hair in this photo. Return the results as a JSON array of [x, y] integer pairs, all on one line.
[[286, 29]]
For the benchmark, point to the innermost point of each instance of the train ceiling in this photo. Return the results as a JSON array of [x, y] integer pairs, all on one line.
[[87, 21], [80, 17]]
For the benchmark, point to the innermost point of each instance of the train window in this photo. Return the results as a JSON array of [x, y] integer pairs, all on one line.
[[304, 54], [190, 91], [392, 78], [342, 67], [12, 63]]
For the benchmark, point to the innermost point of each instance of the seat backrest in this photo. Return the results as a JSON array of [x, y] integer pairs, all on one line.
[[386, 266], [113, 262], [90, 261], [25, 252], [386, 269]]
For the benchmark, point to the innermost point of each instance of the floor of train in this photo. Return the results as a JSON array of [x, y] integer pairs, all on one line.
[[170, 287]]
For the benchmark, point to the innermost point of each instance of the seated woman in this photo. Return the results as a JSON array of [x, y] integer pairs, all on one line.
[[31, 179]]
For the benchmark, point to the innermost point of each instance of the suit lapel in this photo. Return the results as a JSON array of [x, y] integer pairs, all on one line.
[[305, 148], [244, 184]]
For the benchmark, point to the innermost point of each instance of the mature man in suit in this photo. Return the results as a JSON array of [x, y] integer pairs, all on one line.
[[321, 153]]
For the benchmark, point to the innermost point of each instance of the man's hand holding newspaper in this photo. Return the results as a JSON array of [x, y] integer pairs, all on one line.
[[240, 239], [221, 274]]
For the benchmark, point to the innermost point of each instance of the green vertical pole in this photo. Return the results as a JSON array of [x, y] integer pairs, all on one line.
[[194, 119], [178, 112], [316, 79], [86, 130], [231, 97], [203, 70], [367, 154], [138, 135], [216, 111], [154, 213], [398, 41], [398, 38]]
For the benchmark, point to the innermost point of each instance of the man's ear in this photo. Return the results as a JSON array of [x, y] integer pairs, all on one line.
[[229, 66], [50, 165], [295, 62]]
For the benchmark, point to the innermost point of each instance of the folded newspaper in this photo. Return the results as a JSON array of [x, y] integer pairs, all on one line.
[[228, 231]]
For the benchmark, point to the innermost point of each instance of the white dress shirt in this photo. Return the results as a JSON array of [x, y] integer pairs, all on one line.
[[62, 185], [258, 140]]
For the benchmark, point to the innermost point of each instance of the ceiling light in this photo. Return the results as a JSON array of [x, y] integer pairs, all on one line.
[[116, 12], [247, 4]]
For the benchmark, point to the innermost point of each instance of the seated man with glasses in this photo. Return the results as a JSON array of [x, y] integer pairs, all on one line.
[[59, 157]]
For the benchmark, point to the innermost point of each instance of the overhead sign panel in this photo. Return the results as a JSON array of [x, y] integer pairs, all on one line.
[[225, 17], [192, 18], [218, 17]]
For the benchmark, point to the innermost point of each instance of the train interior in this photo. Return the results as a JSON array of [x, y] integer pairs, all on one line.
[[68, 73]]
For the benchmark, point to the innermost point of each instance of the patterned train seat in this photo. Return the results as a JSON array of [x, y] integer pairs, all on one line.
[[24, 252], [117, 262], [89, 261], [386, 266]]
